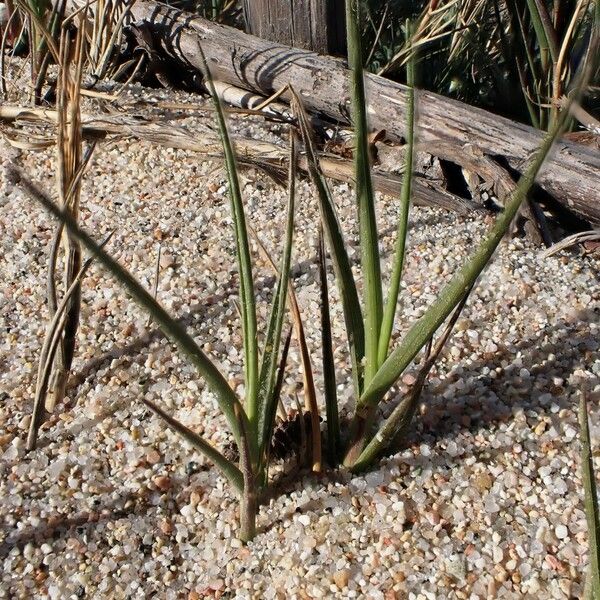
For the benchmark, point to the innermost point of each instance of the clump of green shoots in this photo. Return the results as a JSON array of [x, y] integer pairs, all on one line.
[[251, 418], [369, 325]]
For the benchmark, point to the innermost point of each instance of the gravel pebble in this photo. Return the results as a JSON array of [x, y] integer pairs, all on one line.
[[485, 499]]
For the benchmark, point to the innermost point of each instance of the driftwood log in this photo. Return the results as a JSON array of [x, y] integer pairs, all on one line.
[[451, 130], [479, 141]]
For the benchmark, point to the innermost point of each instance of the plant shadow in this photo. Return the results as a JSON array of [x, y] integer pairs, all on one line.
[[497, 404], [507, 391], [57, 526]]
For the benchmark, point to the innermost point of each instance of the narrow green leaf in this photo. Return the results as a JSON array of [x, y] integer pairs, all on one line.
[[334, 444], [267, 403], [248, 305], [369, 239], [591, 500], [226, 398], [231, 472], [49, 348], [389, 313], [339, 255], [397, 425], [451, 295]]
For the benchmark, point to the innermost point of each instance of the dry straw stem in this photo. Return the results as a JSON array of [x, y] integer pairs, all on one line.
[[59, 345], [572, 240], [69, 154], [310, 392]]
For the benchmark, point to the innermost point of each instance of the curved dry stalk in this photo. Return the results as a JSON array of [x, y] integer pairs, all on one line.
[[173, 330], [71, 167], [572, 240], [49, 349], [310, 391]]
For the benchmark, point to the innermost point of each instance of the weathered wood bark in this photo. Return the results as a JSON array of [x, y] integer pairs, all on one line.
[[316, 25], [264, 155], [446, 128]]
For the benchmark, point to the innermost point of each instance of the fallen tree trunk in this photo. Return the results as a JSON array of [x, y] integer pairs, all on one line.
[[451, 130]]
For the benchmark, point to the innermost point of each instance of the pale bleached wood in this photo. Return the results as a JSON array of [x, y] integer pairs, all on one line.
[[270, 157], [446, 128]]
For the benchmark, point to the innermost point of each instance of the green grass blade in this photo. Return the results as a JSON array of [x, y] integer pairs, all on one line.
[[248, 305], [225, 396], [231, 472], [339, 255], [397, 425], [591, 500], [369, 240], [308, 380], [454, 291], [544, 30], [267, 403], [389, 312], [334, 443]]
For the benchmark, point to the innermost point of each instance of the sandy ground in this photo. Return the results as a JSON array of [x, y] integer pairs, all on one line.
[[485, 502]]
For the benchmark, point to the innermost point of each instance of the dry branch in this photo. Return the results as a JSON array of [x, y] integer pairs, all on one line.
[[264, 155], [447, 128]]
